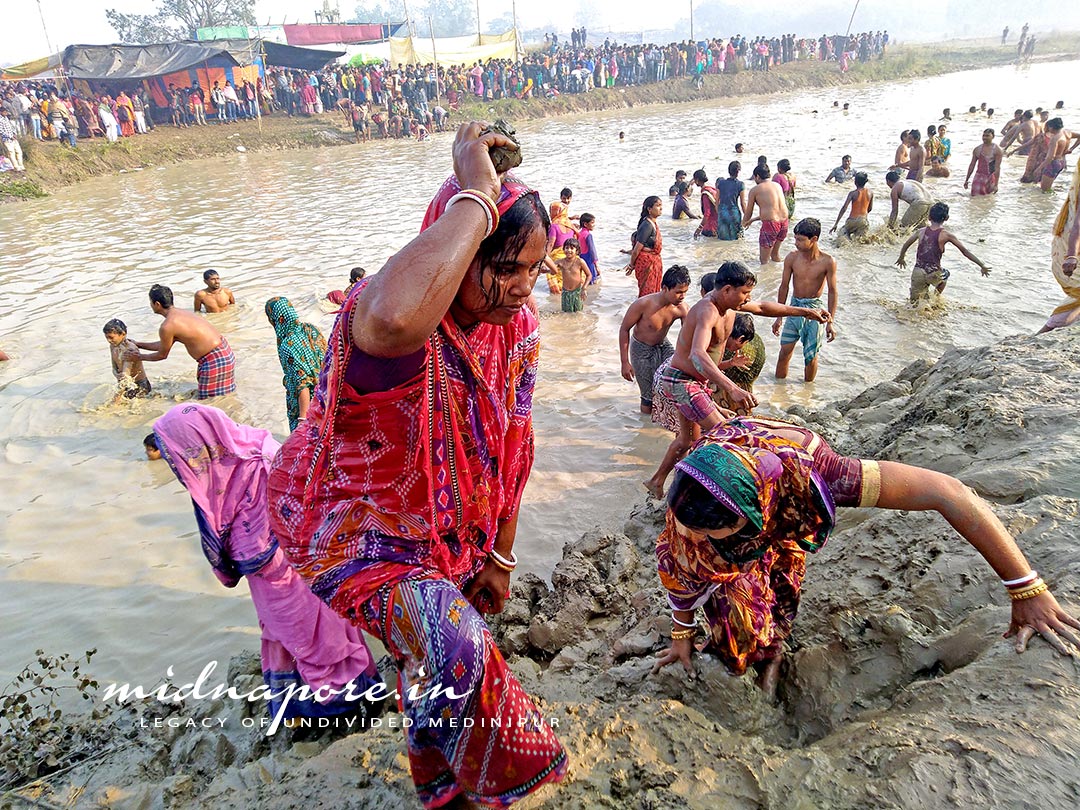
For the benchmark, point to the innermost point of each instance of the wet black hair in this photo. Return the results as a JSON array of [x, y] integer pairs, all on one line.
[[845, 157], [150, 440], [695, 507], [734, 274], [675, 276], [737, 146], [572, 243], [860, 179], [566, 192], [585, 219], [681, 173], [743, 328], [931, 130], [892, 177], [761, 171], [516, 226], [904, 134], [915, 134], [939, 212], [649, 202], [762, 160], [356, 274], [1028, 114], [700, 176], [808, 227], [115, 327], [206, 275], [783, 165], [734, 168], [1055, 123], [991, 130], [160, 294], [708, 282]]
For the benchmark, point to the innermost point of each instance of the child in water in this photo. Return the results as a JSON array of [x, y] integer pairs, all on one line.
[[575, 275], [150, 447], [928, 273], [128, 371]]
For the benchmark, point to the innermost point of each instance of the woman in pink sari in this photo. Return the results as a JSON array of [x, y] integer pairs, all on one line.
[[224, 467]]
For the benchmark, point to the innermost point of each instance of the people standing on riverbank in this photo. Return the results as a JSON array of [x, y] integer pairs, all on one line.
[[442, 328], [808, 271], [986, 160], [768, 196], [645, 256], [755, 496], [643, 343], [216, 372], [933, 239], [214, 297]]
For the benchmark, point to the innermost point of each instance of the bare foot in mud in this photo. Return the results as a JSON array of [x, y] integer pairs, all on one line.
[[768, 678], [656, 490]]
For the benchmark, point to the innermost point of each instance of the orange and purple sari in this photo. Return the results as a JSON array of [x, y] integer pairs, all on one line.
[[388, 500]]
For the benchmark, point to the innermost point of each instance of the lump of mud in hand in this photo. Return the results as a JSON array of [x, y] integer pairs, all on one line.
[[507, 157]]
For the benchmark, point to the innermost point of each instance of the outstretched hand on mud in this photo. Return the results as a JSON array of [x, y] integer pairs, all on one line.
[[680, 650], [1043, 615]]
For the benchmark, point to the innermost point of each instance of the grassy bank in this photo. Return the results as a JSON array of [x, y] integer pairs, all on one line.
[[50, 166]]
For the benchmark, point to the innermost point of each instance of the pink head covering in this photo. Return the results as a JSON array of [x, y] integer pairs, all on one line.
[[224, 467], [511, 191]]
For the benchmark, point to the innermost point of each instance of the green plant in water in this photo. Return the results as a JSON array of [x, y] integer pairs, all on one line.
[[22, 189]]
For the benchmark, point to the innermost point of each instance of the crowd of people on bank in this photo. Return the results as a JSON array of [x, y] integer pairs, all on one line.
[[384, 101]]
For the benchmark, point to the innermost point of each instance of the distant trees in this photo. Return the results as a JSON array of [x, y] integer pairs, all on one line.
[[179, 19], [450, 18]]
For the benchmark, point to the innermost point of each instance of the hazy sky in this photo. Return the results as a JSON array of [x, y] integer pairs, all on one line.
[[83, 21]]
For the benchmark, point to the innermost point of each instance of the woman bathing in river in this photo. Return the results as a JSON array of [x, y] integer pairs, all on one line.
[[756, 495]]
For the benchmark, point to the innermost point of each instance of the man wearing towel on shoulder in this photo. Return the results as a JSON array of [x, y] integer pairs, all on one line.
[[217, 364]]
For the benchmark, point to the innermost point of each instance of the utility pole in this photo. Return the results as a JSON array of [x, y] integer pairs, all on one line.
[[477, 22], [434, 57], [513, 8], [691, 20]]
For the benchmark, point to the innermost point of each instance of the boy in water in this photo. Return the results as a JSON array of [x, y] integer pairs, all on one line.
[[932, 241], [809, 270], [575, 274], [150, 447], [129, 372], [861, 201]]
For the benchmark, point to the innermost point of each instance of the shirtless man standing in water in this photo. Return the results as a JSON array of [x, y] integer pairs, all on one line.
[[217, 365], [916, 162], [650, 317], [769, 198], [1057, 147], [214, 298], [809, 270], [1023, 135], [684, 381]]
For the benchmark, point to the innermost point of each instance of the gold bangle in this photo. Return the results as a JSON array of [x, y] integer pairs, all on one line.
[[1017, 590], [681, 635], [1030, 594]]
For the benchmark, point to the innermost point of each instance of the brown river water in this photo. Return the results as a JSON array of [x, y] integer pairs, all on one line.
[[98, 547]]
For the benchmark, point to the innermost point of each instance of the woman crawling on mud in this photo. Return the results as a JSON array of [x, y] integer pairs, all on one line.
[[756, 495]]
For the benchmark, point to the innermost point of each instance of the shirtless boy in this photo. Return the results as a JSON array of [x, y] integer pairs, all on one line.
[[916, 196], [1023, 135], [685, 379], [932, 241], [650, 317], [214, 298], [861, 201], [902, 150], [916, 161], [769, 198], [217, 365], [809, 270], [574, 274]]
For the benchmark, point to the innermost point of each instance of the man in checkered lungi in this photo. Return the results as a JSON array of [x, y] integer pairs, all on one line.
[[217, 364]]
